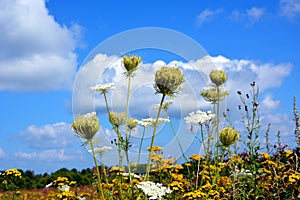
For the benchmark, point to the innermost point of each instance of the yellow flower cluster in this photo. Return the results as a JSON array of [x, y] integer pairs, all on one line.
[[12, 172]]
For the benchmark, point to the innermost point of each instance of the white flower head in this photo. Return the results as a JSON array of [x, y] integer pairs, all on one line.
[[150, 121], [164, 106], [131, 174], [103, 88], [199, 117], [49, 185], [64, 188], [154, 190], [102, 149]]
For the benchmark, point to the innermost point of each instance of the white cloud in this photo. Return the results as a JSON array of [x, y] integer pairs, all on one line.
[[269, 103], [48, 136], [250, 16], [36, 52], [207, 15], [283, 123], [47, 155], [289, 8], [2, 153]]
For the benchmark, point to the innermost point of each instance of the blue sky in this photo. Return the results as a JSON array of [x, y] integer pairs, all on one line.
[[44, 45]]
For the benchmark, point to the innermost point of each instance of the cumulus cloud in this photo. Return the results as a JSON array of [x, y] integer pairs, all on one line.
[[2, 153], [269, 103], [46, 155], [207, 15], [250, 16], [289, 8], [48, 136], [36, 52]]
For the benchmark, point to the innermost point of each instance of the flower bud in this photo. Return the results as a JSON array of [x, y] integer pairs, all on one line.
[[132, 123], [86, 126], [218, 77], [131, 63], [228, 136], [116, 119], [168, 80]]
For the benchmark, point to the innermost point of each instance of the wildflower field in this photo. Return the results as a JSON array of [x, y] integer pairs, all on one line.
[[259, 170]]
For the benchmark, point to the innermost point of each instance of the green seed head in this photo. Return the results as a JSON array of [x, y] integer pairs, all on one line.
[[218, 77], [168, 80], [86, 126], [228, 136]]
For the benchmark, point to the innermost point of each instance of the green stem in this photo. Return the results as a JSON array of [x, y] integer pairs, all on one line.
[[141, 144], [103, 169], [178, 142], [216, 153], [97, 170], [106, 103], [127, 131], [153, 137]]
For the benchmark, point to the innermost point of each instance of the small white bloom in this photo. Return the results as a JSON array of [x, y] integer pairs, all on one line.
[[131, 174], [164, 106], [151, 121], [64, 188], [199, 117], [103, 88], [81, 198], [154, 190], [49, 185], [102, 149]]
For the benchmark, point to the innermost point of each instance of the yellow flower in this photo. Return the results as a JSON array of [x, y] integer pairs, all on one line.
[[288, 152], [195, 157], [218, 77], [265, 155], [228, 136], [155, 148]]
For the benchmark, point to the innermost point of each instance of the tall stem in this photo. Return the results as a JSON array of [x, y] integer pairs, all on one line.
[[97, 170], [127, 131], [178, 142], [141, 144], [153, 137]]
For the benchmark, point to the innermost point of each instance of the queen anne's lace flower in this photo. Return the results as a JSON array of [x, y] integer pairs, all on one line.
[[165, 105], [199, 117], [116, 119], [103, 88], [86, 126], [131, 63], [102, 149], [218, 77], [168, 80], [132, 123], [150, 121], [154, 190], [64, 188], [228, 136]]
